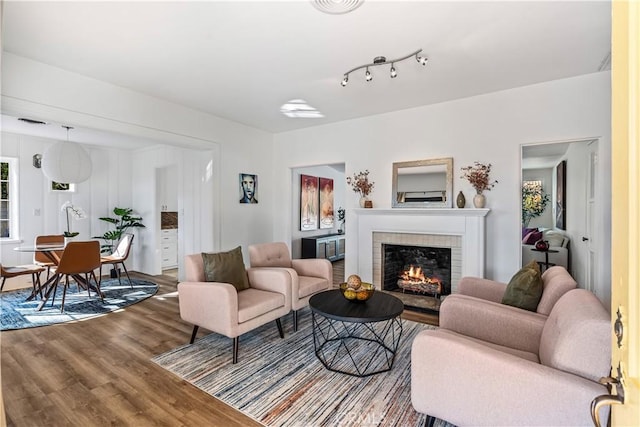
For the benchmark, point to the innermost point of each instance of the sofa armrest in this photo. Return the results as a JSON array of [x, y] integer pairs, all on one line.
[[272, 279], [314, 268], [212, 305], [486, 289], [493, 322], [470, 377]]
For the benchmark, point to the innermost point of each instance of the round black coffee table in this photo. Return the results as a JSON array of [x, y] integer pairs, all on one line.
[[356, 338]]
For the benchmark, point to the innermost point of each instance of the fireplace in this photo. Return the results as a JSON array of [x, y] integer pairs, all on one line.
[[416, 270], [460, 230]]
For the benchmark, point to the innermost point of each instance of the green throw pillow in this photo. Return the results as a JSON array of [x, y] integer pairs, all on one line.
[[525, 288], [226, 267]]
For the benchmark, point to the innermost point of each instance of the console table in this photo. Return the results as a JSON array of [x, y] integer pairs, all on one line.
[[330, 246]]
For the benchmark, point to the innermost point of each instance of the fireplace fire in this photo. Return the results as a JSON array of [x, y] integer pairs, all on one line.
[[414, 280], [417, 270]]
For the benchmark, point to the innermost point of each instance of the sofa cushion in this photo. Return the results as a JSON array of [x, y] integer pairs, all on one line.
[[311, 285], [226, 267], [554, 238], [524, 290], [527, 230]]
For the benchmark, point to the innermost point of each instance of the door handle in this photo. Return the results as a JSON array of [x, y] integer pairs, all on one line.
[[608, 399], [584, 239]]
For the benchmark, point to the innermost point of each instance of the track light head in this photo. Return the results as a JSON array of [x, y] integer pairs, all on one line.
[[421, 59], [367, 76], [345, 80], [393, 72]]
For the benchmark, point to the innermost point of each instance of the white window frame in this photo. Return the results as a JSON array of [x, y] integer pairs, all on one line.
[[14, 199]]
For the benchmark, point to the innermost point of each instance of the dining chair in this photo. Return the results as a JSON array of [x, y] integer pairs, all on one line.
[[119, 256], [79, 260], [41, 259], [21, 270]]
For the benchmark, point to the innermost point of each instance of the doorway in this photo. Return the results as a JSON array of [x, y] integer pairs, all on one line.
[[566, 176]]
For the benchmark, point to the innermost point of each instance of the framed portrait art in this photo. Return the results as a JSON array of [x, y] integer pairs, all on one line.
[[308, 202], [248, 188], [326, 203]]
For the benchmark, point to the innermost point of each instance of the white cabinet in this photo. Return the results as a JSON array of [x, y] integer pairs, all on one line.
[[168, 188], [169, 245]]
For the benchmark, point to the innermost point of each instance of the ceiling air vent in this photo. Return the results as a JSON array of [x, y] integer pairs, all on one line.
[[32, 121]]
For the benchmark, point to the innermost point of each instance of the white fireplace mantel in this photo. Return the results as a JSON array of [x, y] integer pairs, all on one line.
[[469, 224]]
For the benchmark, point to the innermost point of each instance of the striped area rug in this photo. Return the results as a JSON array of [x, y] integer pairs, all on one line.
[[280, 382]]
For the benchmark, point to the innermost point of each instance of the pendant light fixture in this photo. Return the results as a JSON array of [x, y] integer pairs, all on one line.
[[381, 60], [66, 162]]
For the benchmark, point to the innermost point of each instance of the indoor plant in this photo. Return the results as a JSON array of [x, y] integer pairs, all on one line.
[[77, 212], [123, 221], [360, 184], [478, 177]]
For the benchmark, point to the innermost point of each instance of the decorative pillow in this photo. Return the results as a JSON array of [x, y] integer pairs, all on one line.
[[226, 267], [525, 288], [527, 230], [532, 237]]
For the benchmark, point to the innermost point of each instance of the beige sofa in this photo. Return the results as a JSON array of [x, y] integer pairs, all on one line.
[[558, 241], [546, 376]]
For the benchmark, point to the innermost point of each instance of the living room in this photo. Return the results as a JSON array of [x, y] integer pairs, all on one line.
[[210, 152]]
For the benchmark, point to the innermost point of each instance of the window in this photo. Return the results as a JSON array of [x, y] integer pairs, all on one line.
[[8, 198]]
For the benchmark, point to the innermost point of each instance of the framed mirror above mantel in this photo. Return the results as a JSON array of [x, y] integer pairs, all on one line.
[[423, 183]]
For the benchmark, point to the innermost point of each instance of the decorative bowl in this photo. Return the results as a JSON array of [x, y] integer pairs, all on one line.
[[363, 293]]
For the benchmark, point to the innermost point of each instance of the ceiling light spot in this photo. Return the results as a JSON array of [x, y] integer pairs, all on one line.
[[299, 109]]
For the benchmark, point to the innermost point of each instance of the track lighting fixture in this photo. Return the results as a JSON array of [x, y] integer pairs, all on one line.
[[381, 60]]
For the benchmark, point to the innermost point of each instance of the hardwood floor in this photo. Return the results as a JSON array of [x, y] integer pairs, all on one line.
[[98, 372]]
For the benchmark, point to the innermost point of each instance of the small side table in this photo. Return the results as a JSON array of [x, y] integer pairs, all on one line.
[[546, 262]]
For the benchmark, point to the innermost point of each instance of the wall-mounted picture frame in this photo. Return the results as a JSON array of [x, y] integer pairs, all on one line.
[[62, 187], [561, 194], [308, 202], [248, 188], [326, 203]]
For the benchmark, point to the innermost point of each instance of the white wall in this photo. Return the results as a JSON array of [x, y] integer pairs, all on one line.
[[488, 128]]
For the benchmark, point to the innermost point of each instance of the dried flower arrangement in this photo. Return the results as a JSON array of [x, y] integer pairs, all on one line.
[[478, 176], [360, 183]]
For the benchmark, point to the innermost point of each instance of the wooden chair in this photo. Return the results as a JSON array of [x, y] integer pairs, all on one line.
[[79, 260], [119, 256], [21, 270], [43, 260]]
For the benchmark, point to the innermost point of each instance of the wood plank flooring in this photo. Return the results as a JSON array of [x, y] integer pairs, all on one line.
[[98, 372]]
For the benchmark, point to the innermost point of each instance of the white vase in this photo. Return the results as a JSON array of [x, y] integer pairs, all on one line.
[[69, 239], [479, 200], [363, 201]]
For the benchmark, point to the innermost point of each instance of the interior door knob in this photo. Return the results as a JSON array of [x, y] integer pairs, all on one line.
[[584, 239]]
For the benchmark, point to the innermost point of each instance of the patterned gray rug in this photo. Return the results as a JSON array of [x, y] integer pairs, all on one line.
[[280, 382], [17, 313]]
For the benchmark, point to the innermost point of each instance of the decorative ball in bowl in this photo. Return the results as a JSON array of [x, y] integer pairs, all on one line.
[[355, 290]]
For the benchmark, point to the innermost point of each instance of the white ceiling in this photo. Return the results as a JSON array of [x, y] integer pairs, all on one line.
[[242, 60]]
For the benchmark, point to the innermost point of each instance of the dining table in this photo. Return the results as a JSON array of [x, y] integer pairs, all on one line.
[[51, 251]]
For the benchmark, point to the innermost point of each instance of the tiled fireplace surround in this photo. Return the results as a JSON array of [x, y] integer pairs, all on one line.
[[462, 230]]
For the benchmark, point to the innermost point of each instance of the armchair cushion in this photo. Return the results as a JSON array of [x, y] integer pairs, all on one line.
[[226, 267], [525, 288]]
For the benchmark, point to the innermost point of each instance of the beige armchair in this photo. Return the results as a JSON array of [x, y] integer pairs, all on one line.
[[308, 276], [550, 380], [220, 308]]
